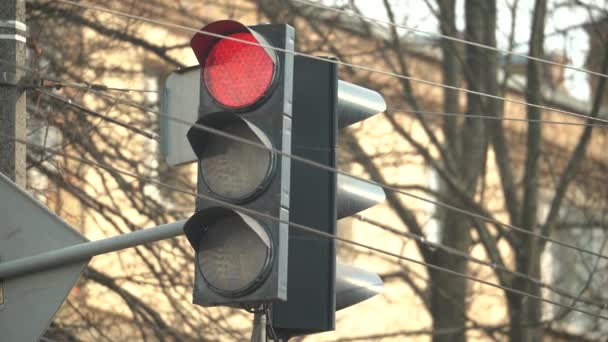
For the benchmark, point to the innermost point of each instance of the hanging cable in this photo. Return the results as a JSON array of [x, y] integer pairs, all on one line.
[[451, 38], [384, 186], [331, 169], [82, 109], [453, 251], [461, 254], [84, 86], [58, 84], [330, 60], [305, 228], [448, 249], [493, 117]]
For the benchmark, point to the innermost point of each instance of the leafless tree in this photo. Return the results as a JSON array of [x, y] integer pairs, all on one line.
[[534, 167]]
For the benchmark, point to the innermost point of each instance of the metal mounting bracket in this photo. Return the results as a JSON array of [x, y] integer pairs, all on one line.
[[14, 24]]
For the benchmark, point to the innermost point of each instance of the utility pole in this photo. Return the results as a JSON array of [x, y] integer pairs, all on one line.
[[12, 97]]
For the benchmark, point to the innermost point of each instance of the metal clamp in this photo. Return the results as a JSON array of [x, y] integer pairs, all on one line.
[[13, 37], [17, 25], [14, 24], [14, 80]]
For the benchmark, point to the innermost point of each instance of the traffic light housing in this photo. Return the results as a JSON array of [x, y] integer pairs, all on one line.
[[317, 286], [245, 91], [241, 257], [311, 300]]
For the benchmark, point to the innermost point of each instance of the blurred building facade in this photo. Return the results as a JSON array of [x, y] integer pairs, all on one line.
[[400, 312]]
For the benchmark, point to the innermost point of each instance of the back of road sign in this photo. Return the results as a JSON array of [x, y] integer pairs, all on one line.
[[27, 227], [180, 104]]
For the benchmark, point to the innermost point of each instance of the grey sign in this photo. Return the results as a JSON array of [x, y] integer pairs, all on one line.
[[27, 227]]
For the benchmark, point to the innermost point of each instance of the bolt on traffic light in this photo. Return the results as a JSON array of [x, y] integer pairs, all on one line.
[[246, 91]]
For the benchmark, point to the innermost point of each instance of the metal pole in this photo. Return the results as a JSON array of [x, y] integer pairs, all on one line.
[[88, 250], [258, 334], [12, 98]]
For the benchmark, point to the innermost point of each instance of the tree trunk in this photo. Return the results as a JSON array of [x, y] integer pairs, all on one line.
[[525, 312], [467, 145]]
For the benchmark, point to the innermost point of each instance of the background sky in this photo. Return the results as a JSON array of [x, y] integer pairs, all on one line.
[[415, 13]]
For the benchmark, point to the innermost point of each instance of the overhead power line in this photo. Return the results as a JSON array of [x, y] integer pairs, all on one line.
[[334, 170], [89, 87], [314, 164], [82, 109], [421, 239], [101, 87], [307, 229], [447, 37], [329, 60], [57, 84], [464, 255], [494, 117]]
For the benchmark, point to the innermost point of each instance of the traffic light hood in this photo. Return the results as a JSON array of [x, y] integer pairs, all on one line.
[[202, 41], [234, 252], [219, 155], [195, 226], [202, 130]]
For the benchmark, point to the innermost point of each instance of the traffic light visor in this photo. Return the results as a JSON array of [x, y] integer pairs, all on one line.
[[239, 68], [233, 250], [232, 169]]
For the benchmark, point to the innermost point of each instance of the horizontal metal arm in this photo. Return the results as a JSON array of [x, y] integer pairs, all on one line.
[[87, 250]]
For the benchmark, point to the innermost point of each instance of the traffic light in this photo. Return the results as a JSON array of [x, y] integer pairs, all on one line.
[[242, 258], [316, 286], [246, 91]]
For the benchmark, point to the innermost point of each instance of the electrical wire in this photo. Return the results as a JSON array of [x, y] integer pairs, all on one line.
[[218, 132], [314, 164], [330, 60], [494, 117], [493, 265], [384, 186], [85, 110], [424, 241], [103, 87], [100, 87], [301, 227], [447, 37], [58, 84], [407, 234]]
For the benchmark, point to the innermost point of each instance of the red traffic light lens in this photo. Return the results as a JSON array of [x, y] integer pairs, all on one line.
[[238, 74]]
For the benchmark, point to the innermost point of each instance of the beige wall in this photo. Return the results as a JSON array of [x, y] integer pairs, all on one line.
[[398, 308]]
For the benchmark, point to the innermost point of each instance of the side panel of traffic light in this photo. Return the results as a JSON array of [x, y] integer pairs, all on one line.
[[311, 302], [246, 91], [318, 287]]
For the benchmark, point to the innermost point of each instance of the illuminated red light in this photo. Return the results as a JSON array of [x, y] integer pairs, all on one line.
[[238, 74]]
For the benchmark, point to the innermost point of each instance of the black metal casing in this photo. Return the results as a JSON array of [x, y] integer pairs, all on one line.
[[312, 262], [272, 116]]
